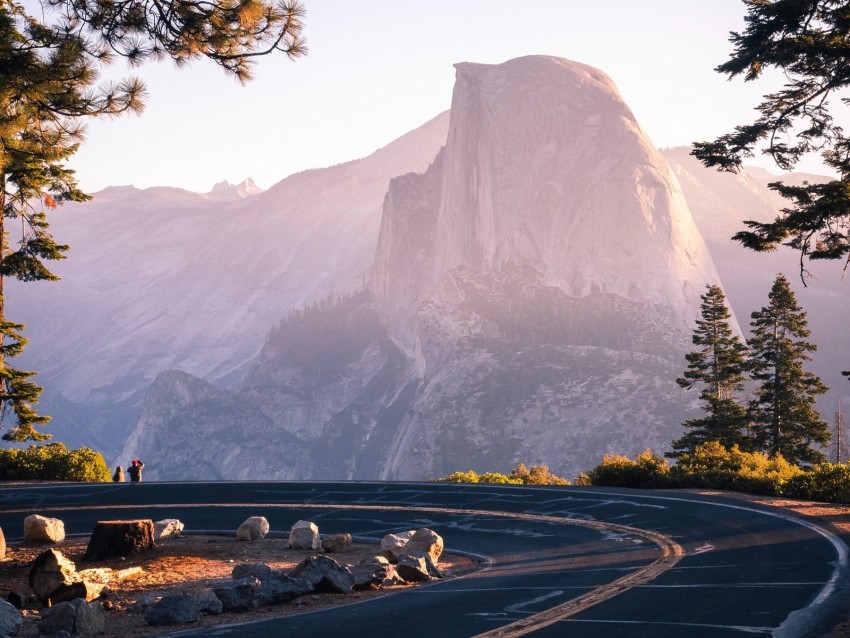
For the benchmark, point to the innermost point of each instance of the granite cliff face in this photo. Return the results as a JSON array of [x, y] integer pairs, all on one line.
[[531, 299]]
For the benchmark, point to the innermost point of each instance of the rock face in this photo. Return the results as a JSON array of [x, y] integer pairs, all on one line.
[[531, 299], [545, 168]]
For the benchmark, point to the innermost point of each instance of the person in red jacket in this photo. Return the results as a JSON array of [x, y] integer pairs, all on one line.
[[135, 471]]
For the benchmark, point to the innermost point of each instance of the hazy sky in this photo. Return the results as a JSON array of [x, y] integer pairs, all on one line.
[[379, 68]]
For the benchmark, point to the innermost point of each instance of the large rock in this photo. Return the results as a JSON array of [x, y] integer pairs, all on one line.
[[167, 527], [304, 535], [253, 528], [205, 600], [336, 543], [275, 586], [76, 617], [324, 574], [10, 619], [428, 541], [375, 572], [413, 567], [172, 610], [392, 545], [260, 571], [53, 579], [49, 570], [40, 529], [240, 595]]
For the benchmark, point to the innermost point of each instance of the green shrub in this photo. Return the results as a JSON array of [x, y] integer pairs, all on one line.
[[536, 475], [521, 475], [645, 471], [713, 466], [470, 476], [53, 462], [828, 482]]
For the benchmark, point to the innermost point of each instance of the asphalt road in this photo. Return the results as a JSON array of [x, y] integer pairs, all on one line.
[[560, 561]]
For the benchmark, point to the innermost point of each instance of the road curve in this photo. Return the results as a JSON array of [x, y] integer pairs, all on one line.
[[561, 561]]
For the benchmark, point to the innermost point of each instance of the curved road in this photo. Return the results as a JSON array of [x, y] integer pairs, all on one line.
[[560, 561]]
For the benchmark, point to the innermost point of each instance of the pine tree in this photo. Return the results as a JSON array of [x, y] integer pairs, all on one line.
[[717, 366], [806, 41], [784, 420], [49, 86]]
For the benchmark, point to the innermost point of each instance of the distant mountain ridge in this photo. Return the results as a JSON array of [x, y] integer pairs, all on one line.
[[162, 278], [478, 341]]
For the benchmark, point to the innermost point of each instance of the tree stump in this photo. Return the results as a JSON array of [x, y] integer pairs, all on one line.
[[113, 539]]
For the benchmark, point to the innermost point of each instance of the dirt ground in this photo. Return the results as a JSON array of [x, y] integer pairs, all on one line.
[[190, 561]]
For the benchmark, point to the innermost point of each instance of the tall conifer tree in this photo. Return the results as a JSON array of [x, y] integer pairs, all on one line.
[[784, 420], [717, 366]]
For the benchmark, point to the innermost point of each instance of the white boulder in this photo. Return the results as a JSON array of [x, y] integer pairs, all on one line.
[[304, 535], [254, 528], [40, 529], [167, 527]]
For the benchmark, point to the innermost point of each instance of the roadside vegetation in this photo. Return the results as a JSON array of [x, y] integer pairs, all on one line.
[[520, 475], [712, 466], [53, 462]]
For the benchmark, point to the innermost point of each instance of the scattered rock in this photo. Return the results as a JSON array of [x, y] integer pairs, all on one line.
[[167, 527], [10, 619], [304, 535], [143, 603], [280, 588], [77, 589], [20, 600], [260, 571], [205, 600], [392, 545], [49, 570], [74, 617], [254, 528], [40, 530], [324, 574], [336, 543], [240, 595], [413, 568], [428, 541], [173, 609], [375, 572], [112, 539]]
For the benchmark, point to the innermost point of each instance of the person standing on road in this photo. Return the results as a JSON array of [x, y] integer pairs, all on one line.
[[118, 477], [135, 471]]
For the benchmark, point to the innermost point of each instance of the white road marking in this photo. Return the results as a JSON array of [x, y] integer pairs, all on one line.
[[744, 628], [703, 549], [520, 606]]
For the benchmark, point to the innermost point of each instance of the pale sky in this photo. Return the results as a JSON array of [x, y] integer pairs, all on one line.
[[379, 68]]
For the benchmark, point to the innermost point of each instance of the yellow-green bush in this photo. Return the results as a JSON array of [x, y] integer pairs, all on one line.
[[714, 466], [646, 470], [828, 482], [53, 462], [520, 475]]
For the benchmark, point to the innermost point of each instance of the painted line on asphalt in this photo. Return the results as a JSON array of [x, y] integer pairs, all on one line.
[[796, 622]]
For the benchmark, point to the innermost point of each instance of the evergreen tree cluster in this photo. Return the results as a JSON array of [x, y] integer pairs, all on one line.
[[779, 417]]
